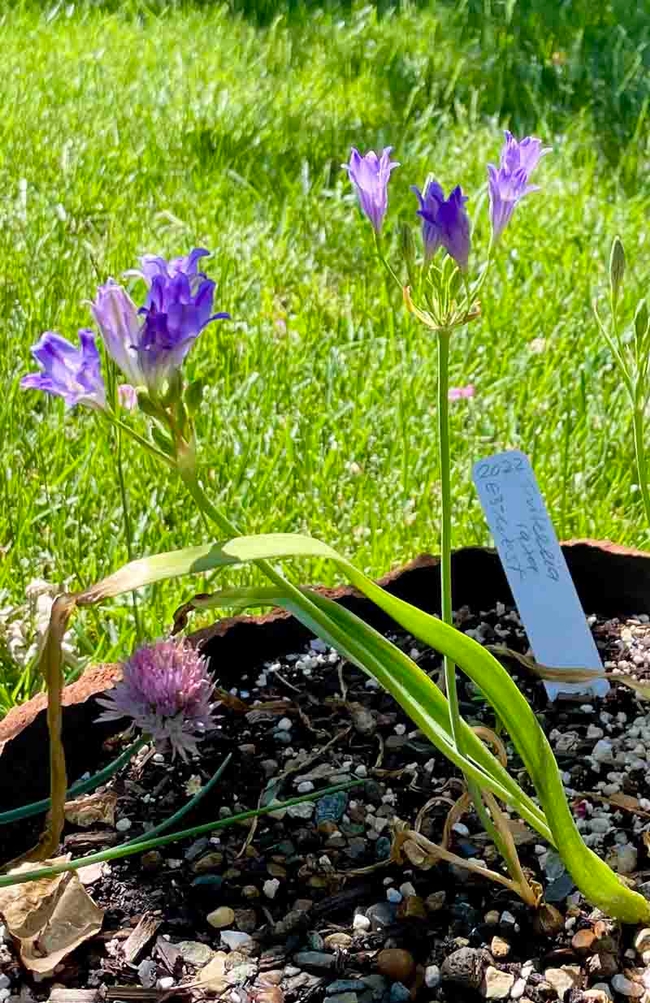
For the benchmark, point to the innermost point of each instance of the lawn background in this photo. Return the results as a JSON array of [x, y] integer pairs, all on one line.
[[129, 128]]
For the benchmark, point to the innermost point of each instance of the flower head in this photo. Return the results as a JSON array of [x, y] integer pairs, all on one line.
[[509, 182], [68, 372], [149, 344], [166, 690], [461, 393], [444, 222], [370, 175]]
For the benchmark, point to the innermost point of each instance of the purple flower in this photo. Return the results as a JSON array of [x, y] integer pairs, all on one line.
[[444, 222], [509, 182], [149, 344], [370, 175], [166, 690], [68, 372]]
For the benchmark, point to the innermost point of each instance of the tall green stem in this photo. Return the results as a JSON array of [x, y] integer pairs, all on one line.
[[445, 523], [128, 526], [641, 464]]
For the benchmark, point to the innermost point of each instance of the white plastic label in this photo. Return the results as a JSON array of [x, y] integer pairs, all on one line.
[[537, 572]]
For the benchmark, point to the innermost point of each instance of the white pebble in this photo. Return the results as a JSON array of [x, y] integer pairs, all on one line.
[[361, 770], [407, 889], [270, 887], [305, 787], [400, 729], [123, 824], [624, 986], [284, 724], [460, 828], [158, 757], [393, 895], [234, 939], [361, 923], [507, 917], [432, 977], [166, 982]]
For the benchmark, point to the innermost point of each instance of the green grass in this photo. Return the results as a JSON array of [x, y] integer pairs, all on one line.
[[133, 128]]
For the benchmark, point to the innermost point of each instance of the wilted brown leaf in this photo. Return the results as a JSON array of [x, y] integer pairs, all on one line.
[[49, 917]]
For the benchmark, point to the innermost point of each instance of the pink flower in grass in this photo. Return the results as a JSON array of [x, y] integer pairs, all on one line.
[[461, 393], [166, 691]]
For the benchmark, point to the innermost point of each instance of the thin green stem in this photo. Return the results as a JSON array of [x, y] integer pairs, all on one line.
[[81, 787], [128, 849], [445, 524], [641, 463], [128, 525], [178, 815]]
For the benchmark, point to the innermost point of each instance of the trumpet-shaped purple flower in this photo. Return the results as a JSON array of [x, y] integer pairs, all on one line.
[[509, 182], [166, 691], [444, 222], [68, 372], [149, 344], [370, 175]]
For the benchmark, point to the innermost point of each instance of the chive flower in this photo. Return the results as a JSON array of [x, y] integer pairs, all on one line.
[[68, 372], [370, 175], [150, 344], [509, 182], [444, 222], [167, 692]]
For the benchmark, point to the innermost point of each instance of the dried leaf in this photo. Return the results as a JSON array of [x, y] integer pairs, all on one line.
[[49, 917], [92, 808]]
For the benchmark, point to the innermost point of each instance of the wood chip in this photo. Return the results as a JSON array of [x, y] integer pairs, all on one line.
[[63, 995], [144, 931]]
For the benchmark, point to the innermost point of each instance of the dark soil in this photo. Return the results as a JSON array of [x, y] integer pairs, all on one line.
[[295, 880]]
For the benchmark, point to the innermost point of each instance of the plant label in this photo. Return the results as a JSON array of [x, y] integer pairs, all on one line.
[[536, 570]]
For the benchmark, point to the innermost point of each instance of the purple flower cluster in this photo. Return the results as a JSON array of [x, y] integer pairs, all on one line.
[[508, 183], [370, 175], [444, 221], [68, 372], [166, 691], [148, 344]]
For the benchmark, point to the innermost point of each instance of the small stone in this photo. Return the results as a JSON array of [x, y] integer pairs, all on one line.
[[304, 810], [563, 979], [123, 824], [338, 941], [412, 907], [361, 923], [250, 892], [396, 964], [642, 940], [5, 981], [436, 901], [432, 977], [208, 862], [314, 941], [507, 918], [270, 887], [597, 995], [499, 947], [246, 920], [151, 861], [221, 917], [284, 724], [212, 977], [344, 986], [376, 985], [147, 973], [496, 984], [465, 967], [623, 858], [392, 895], [270, 994], [348, 997], [165, 983], [195, 953], [381, 915], [583, 940], [518, 989], [399, 993], [625, 986], [241, 973], [315, 959], [492, 917], [235, 938]]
